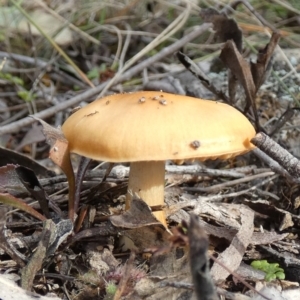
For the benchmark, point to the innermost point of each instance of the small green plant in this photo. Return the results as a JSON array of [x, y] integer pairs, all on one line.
[[27, 96], [93, 73], [272, 270], [13, 79], [110, 289]]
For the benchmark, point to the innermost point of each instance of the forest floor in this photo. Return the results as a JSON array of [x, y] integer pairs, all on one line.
[[58, 55]]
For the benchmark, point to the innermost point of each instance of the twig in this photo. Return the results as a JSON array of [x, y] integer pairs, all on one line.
[[244, 282], [274, 165], [25, 59], [197, 72], [267, 24], [13, 127], [57, 73], [279, 154], [203, 284], [254, 12], [286, 116], [196, 204], [70, 25], [116, 30], [53, 43], [165, 34], [125, 47], [216, 188], [232, 296]]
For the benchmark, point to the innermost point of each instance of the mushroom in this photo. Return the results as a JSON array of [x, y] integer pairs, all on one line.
[[146, 128]]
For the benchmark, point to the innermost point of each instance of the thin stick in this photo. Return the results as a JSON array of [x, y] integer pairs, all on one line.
[[69, 24], [169, 31], [279, 154], [14, 127], [53, 43]]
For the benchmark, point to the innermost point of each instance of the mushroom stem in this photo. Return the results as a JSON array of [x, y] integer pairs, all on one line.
[[147, 179]]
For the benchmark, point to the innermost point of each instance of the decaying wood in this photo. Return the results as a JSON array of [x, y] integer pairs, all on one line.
[[279, 154]]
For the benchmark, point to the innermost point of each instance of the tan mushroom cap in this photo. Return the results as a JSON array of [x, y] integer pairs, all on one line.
[[155, 126]]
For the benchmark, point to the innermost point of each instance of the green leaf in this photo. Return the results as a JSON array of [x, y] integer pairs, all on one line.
[[17, 80], [280, 275], [93, 73], [270, 277], [26, 95], [256, 264], [259, 264]]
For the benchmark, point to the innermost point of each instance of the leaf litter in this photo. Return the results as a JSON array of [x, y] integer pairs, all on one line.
[[241, 229]]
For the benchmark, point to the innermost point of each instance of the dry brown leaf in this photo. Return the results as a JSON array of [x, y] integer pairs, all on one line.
[[10, 181], [259, 69], [226, 29], [139, 215], [239, 67], [233, 255], [33, 135], [8, 156], [60, 155]]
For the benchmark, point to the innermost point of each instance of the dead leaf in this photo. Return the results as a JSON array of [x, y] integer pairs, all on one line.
[[51, 134], [35, 263], [276, 214], [12, 157], [60, 155], [258, 238], [139, 215], [52, 236], [33, 135], [233, 255], [10, 181], [4, 243], [146, 231], [226, 29], [32, 184], [260, 69], [20, 204], [240, 69]]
